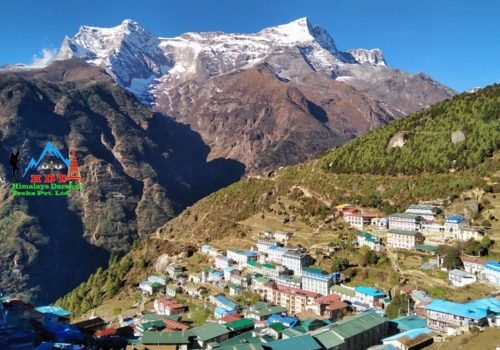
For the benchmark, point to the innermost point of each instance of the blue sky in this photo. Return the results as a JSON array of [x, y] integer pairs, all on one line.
[[456, 42]]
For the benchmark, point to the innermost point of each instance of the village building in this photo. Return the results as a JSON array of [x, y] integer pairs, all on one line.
[[357, 332], [472, 264], [275, 254], [165, 306], [330, 306], [200, 337], [263, 244], [344, 292], [241, 257], [427, 212], [447, 317], [317, 280], [261, 311], [296, 261], [369, 240], [405, 222], [413, 339], [459, 278], [289, 281], [454, 225], [295, 300], [404, 239], [491, 272], [221, 262], [209, 250], [366, 297], [357, 219]]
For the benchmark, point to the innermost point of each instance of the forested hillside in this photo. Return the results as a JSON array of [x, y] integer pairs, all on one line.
[[454, 134]]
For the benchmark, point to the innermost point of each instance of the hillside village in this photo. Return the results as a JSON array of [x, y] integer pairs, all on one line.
[[274, 296]]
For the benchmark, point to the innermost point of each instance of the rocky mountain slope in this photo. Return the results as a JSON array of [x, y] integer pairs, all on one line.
[[139, 169], [216, 79], [302, 198]]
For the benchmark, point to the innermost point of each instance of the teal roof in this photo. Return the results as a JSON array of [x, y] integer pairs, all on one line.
[[208, 331], [292, 332], [56, 310], [328, 339], [240, 324], [403, 232], [411, 334], [369, 291], [302, 342], [245, 337], [351, 326], [152, 324], [404, 215], [315, 270], [456, 309], [405, 323], [426, 247], [160, 338]]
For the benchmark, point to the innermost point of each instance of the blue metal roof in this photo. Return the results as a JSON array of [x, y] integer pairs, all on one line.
[[405, 323], [56, 310], [493, 265], [412, 334], [369, 291], [226, 302], [455, 219], [287, 321], [277, 247], [489, 304], [452, 308]]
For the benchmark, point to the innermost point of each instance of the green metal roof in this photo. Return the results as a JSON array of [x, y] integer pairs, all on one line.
[[403, 232], [208, 331], [239, 324], [262, 279], [252, 263], [328, 339], [354, 325], [404, 215], [343, 290], [269, 266], [426, 247], [278, 327], [269, 310], [303, 342], [153, 324], [160, 338], [151, 317], [292, 332], [315, 270], [245, 338]]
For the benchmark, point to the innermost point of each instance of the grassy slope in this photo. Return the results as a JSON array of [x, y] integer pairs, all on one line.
[[306, 192]]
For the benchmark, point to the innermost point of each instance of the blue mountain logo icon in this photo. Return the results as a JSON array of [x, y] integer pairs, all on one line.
[[49, 149]]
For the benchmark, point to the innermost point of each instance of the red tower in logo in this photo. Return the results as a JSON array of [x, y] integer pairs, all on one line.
[[74, 170]]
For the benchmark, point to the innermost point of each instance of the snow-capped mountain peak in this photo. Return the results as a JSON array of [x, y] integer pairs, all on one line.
[[146, 64]]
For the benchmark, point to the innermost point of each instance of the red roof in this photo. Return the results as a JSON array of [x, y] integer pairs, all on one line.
[[230, 318], [105, 332], [337, 305], [296, 291], [473, 259], [328, 299], [170, 304], [171, 325]]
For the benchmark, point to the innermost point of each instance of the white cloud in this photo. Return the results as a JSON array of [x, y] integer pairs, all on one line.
[[47, 55]]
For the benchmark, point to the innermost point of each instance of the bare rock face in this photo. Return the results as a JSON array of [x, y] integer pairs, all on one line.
[[268, 99], [139, 170], [457, 136], [398, 140]]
